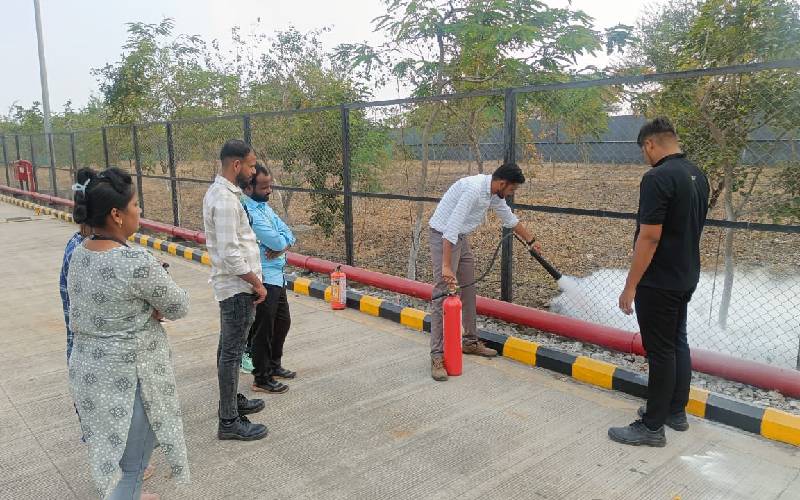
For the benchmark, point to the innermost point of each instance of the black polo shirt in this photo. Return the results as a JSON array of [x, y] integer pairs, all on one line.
[[674, 193]]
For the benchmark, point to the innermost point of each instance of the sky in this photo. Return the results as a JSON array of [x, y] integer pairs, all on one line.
[[80, 35]]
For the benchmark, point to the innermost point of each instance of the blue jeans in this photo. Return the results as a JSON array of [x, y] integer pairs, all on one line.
[[236, 316], [137, 454]]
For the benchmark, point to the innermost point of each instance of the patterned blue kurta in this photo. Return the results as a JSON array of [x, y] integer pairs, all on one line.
[[118, 344]]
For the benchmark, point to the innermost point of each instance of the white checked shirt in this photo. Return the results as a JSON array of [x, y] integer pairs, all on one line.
[[231, 243], [463, 208]]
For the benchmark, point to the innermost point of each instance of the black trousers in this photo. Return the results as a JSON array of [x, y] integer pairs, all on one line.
[[268, 333], [662, 322]]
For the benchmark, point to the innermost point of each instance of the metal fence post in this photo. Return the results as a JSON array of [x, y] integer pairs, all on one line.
[[348, 188], [53, 179], [137, 160], [509, 156], [105, 147], [5, 161], [33, 163], [73, 156], [19, 157], [173, 183], [797, 365], [247, 130]]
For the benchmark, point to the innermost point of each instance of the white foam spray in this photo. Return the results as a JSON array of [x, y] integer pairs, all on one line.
[[763, 322]]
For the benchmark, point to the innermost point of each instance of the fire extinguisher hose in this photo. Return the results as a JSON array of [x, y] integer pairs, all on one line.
[[552, 271], [439, 295]]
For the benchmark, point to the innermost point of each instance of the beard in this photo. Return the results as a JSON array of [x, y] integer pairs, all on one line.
[[243, 180], [259, 198]]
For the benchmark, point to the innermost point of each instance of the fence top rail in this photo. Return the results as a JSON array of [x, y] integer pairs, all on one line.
[[569, 142], [37, 134], [426, 99], [786, 64], [607, 214], [117, 126], [661, 77], [87, 130]]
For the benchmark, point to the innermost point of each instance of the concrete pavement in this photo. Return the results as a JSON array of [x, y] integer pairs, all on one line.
[[363, 419]]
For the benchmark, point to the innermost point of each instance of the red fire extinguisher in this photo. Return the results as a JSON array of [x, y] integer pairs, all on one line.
[[452, 335], [338, 289]]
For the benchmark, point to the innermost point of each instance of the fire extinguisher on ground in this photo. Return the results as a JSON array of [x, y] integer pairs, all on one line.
[[451, 308], [338, 289]]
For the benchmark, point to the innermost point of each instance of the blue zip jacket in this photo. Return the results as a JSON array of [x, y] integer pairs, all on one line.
[[273, 234]]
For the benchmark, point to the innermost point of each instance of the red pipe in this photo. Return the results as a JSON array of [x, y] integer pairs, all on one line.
[[761, 375], [784, 380]]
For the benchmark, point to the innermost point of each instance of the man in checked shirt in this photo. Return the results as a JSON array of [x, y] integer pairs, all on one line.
[[236, 280], [462, 209]]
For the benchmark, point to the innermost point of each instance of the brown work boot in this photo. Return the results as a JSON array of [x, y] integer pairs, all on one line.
[[437, 369], [478, 349]]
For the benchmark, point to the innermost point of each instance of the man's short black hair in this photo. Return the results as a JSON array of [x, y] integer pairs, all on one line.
[[656, 126], [509, 172], [261, 169], [234, 148]]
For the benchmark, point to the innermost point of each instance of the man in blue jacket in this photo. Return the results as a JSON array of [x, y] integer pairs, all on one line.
[[268, 333]]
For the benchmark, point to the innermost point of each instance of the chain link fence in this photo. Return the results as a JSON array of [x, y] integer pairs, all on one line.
[[358, 183]]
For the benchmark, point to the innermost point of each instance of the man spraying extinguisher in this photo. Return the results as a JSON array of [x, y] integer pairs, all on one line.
[[461, 210]]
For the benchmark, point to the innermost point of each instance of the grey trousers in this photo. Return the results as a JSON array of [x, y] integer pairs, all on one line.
[[236, 316], [463, 264]]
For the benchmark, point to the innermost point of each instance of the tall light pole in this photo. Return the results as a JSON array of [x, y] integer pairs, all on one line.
[[42, 68]]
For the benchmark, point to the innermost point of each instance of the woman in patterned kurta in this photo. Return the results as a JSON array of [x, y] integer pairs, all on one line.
[[121, 360]]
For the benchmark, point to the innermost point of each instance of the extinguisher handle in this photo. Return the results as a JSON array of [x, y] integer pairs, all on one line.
[[439, 295]]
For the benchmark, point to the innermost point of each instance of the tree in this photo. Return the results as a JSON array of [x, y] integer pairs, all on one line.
[[441, 46], [24, 120], [292, 73], [716, 116], [161, 77], [166, 77], [29, 121]]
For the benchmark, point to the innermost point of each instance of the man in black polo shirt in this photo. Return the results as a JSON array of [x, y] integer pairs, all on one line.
[[673, 202]]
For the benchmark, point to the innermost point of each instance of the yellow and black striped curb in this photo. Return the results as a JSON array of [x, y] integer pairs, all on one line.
[[172, 248], [188, 253], [39, 209], [768, 422]]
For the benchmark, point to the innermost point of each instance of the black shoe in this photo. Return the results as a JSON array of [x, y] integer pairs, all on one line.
[[247, 406], [676, 421], [270, 386], [241, 429], [282, 372], [637, 434]]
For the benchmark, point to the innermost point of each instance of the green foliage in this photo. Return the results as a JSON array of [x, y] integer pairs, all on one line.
[[716, 116], [295, 73], [161, 77], [468, 45], [23, 120], [476, 44], [786, 204]]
